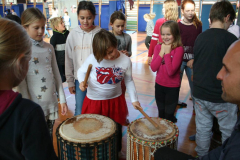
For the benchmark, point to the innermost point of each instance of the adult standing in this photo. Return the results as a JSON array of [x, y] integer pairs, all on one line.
[[209, 50], [190, 27]]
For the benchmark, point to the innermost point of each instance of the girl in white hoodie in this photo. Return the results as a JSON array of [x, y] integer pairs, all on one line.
[[78, 48]]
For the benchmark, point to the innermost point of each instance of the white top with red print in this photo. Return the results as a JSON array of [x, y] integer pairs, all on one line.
[[105, 78]]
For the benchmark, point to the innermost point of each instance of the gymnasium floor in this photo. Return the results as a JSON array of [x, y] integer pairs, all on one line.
[[144, 80]]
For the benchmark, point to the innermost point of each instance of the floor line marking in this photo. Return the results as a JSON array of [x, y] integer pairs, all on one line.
[[68, 96], [152, 101], [142, 80], [138, 54]]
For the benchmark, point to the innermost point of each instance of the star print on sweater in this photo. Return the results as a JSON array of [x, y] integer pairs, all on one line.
[[39, 97], [43, 89], [35, 60], [43, 79], [36, 71]]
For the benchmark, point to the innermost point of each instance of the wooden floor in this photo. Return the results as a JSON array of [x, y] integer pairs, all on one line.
[[144, 80]]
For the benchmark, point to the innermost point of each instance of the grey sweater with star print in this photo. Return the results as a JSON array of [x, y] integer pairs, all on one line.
[[43, 82]]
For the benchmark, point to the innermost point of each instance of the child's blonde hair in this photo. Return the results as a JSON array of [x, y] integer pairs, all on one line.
[[14, 41], [55, 21], [174, 29], [31, 15], [102, 41], [149, 16], [171, 10]]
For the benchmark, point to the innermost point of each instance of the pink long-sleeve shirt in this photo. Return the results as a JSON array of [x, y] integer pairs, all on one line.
[[168, 74]]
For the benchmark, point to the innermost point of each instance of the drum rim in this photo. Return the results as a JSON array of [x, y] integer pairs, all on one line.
[[149, 143], [76, 141]]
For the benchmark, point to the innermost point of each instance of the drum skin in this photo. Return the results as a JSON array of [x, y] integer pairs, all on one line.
[[87, 137], [144, 139]]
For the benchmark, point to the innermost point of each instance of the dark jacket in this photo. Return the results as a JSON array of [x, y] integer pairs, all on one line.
[[230, 150], [58, 40], [209, 49], [24, 133]]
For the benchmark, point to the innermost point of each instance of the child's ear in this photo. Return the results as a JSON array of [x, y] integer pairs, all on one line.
[[111, 24]]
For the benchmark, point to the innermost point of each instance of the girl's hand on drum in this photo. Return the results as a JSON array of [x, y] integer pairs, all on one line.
[[64, 108], [82, 87], [136, 105]]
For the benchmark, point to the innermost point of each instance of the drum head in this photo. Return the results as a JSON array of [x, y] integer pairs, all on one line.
[[87, 128], [144, 130]]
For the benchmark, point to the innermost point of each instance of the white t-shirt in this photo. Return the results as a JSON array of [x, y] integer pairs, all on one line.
[[234, 29], [105, 78]]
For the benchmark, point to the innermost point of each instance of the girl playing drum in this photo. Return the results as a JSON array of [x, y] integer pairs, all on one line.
[[104, 94]]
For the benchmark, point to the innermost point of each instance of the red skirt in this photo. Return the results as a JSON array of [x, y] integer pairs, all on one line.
[[115, 108]]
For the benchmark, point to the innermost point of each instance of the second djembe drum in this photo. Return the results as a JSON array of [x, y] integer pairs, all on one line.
[[144, 139]]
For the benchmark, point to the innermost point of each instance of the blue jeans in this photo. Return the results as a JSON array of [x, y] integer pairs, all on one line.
[[189, 74], [79, 97], [226, 114]]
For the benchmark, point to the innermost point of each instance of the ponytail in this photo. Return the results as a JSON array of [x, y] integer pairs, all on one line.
[[196, 21]]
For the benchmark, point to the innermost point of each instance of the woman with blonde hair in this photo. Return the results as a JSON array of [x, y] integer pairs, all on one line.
[[149, 28], [170, 11]]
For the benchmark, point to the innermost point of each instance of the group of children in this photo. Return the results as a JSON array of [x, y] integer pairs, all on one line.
[[70, 54], [66, 58]]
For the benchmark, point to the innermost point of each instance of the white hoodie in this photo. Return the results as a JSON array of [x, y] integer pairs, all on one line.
[[78, 48]]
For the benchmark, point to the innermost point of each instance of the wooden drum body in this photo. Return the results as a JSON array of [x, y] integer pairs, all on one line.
[[143, 139], [87, 137]]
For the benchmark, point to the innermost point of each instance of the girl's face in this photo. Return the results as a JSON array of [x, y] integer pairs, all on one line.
[[118, 26], [36, 30], [112, 53], [60, 27], [189, 11], [167, 36], [86, 19]]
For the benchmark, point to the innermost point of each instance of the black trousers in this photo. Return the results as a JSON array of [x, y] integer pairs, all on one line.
[[62, 72], [167, 100], [148, 41]]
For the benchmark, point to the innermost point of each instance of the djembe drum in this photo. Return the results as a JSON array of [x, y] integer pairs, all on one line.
[[144, 139], [87, 137]]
